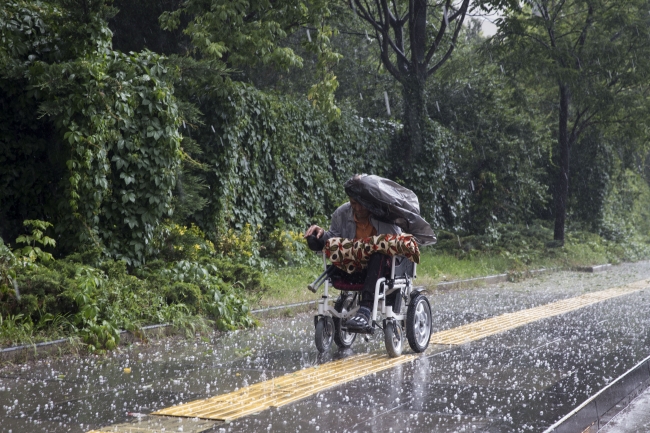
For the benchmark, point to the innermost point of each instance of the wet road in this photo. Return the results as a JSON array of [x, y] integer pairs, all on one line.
[[523, 379]]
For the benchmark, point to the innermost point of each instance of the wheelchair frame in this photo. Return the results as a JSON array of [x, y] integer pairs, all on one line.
[[417, 314]]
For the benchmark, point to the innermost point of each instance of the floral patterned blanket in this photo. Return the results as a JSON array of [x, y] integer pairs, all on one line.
[[352, 255]]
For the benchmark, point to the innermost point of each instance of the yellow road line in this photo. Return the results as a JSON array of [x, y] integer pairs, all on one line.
[[295, 386]]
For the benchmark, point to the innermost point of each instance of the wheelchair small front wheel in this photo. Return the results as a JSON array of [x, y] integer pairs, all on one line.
[[394, 338], [324, 333], [343, 339], [418, 323]]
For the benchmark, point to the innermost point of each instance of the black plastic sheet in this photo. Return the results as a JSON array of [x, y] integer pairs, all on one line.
[[391, 203]]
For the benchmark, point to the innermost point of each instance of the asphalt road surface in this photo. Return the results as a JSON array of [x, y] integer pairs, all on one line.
[[519, 380]]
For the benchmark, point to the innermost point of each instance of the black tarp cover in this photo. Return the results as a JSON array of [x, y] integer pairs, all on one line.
[[392, 203]]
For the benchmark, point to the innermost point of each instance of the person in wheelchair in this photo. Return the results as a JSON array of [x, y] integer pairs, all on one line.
[[354, 221]]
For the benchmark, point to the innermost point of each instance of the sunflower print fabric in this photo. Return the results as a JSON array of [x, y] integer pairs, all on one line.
[[352, 255]]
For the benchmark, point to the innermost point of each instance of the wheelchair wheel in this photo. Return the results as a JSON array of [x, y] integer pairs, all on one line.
[[343, 339], [418, 323], [324, 334], [394, 338]]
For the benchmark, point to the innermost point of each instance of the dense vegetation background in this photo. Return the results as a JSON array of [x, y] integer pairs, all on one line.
[[164, 153]]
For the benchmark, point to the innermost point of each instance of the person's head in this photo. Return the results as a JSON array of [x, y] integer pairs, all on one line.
[[359, 211]]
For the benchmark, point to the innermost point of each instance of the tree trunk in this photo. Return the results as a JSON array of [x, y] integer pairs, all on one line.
[[415, 118], [564, 144]]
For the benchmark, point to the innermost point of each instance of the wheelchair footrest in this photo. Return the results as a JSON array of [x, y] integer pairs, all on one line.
[[365, 330]]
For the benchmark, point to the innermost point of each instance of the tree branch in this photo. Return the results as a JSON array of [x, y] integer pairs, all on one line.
[[580, 42], [366, 15], [459, 25], [380, 29], [385, 58], [439, 36]]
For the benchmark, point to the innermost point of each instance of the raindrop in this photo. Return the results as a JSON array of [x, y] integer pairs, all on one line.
[[387, 103]]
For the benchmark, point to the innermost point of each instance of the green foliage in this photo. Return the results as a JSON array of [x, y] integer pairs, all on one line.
[[275, 160], [113, 118], [173, 242], [436, 177], [251, 32], [8, 264], [287, 247], [588, 60], [501, 147], [31, 252], [525, 246], [173, 183], [322, 93], [98, 302], [626, 214], [247, 32], [240, 246], [82, 296], [123, 159]]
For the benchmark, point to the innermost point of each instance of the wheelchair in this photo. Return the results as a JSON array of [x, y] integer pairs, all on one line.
[[404, 308]]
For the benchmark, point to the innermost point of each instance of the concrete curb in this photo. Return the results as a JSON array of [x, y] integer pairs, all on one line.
[[58, 347], [491, 279], [599, 409], [599, 268], [280, 307]]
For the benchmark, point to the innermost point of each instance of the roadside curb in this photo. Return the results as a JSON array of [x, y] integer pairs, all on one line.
[[599, 268], [35, 351], [600, 408], [492, 279]]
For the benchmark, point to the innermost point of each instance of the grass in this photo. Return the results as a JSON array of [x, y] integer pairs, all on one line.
[[288, 285]]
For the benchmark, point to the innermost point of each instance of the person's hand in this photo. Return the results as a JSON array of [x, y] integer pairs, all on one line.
[[315, 230]]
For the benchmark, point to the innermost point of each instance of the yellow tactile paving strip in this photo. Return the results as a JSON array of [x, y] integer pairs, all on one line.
[[485, 328], [159, 424], [285, 389], [304, 383]]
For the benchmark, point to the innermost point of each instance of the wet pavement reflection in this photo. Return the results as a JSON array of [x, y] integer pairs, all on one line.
[[521, 380]]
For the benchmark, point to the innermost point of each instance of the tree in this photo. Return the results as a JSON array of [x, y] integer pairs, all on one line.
[[501, 169], [594, 53], [251, 32], [415, 39]]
